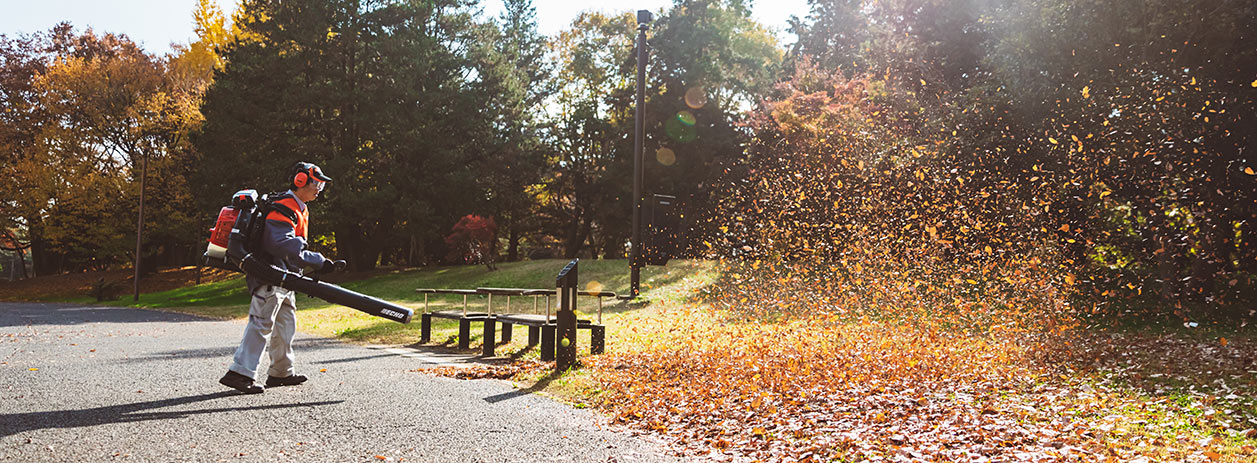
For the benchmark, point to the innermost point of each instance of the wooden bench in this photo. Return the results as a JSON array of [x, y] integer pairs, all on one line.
[[464, 317], [541, 328], [536, 294]]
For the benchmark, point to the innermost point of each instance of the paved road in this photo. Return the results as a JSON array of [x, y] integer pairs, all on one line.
[[101, 384]]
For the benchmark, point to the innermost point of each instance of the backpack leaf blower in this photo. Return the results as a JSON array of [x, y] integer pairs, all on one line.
[[235, 244]]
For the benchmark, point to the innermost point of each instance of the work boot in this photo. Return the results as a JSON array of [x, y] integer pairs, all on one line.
[[276, 381], [240, 383]]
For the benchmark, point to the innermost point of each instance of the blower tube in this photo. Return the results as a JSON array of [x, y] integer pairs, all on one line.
[[273, 275]]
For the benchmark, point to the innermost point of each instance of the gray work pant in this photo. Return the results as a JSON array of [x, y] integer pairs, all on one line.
[[272, 324]]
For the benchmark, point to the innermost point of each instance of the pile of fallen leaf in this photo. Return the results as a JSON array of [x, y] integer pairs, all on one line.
[[490, 371], [820, 390]]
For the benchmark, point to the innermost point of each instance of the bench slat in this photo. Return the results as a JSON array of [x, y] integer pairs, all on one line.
[[504, 291], [531, 319], [596, 293], [465, 292], [458, 314]]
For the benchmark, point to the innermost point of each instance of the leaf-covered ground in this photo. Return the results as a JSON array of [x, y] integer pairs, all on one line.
[[864, 390], [812, 390]]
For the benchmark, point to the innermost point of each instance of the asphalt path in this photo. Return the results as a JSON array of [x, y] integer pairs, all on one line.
[[84, 383]]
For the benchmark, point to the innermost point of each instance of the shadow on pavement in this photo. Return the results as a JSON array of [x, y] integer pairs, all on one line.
[[229, 348], [58, 314], [14, 423], [538, 386], [352, 359]]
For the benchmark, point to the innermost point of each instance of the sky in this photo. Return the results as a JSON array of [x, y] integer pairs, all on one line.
[[155, 24]]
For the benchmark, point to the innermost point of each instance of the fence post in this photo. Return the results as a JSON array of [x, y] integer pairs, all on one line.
[[565, 345]]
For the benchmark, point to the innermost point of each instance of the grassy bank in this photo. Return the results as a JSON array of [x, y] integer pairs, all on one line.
[[229, 299]]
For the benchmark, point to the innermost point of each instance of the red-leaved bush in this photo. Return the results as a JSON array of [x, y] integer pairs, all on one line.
[[474, 240]]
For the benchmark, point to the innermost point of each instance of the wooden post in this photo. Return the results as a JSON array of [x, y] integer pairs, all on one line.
[[425, 328], [565, 348], [464, 333], [490, 340]]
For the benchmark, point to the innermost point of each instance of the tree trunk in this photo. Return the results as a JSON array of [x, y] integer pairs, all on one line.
[[1211, 256], [512, 242], [576, 237], [21, 261], [1167, 270], [43, 260], [583, 234], [347, 247], [572, 242]]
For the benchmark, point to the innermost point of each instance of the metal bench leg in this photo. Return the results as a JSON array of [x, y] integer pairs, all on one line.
[[597, 339], [489, 337], [464, 333], [547, 342], [506, 332], [534, 333], [425, 329]]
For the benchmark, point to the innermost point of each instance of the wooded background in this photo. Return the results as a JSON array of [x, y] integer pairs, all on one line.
[[1112, 131]]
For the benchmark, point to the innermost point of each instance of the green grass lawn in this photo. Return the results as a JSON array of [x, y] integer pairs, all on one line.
[[229, 299]]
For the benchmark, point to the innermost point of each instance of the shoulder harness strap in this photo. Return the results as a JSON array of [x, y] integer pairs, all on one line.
[[283, 209]]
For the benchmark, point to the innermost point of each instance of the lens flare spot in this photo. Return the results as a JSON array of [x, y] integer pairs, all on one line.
[[681, 127], [593, 286], [695, 97], [666, 156], [687, 118]]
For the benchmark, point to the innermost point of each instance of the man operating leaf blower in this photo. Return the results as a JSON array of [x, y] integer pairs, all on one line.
[[272, 309]]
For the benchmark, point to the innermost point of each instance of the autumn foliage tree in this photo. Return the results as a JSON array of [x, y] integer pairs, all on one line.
[[961, 147], [88, 110], [474, 240]]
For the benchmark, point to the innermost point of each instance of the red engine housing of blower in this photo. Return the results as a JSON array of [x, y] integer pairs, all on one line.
[[221, 233]]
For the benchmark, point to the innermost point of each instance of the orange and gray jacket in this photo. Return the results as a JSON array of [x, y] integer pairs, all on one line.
[[285, 240]]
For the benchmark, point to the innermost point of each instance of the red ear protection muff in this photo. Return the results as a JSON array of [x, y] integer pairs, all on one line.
[[300, 179]]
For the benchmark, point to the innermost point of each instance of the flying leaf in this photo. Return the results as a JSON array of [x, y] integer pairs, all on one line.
[[1086, 92], [1249, 171], [1053, 140]]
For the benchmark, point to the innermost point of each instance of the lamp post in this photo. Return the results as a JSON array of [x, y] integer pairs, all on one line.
[[139, 227], [644, 17]]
